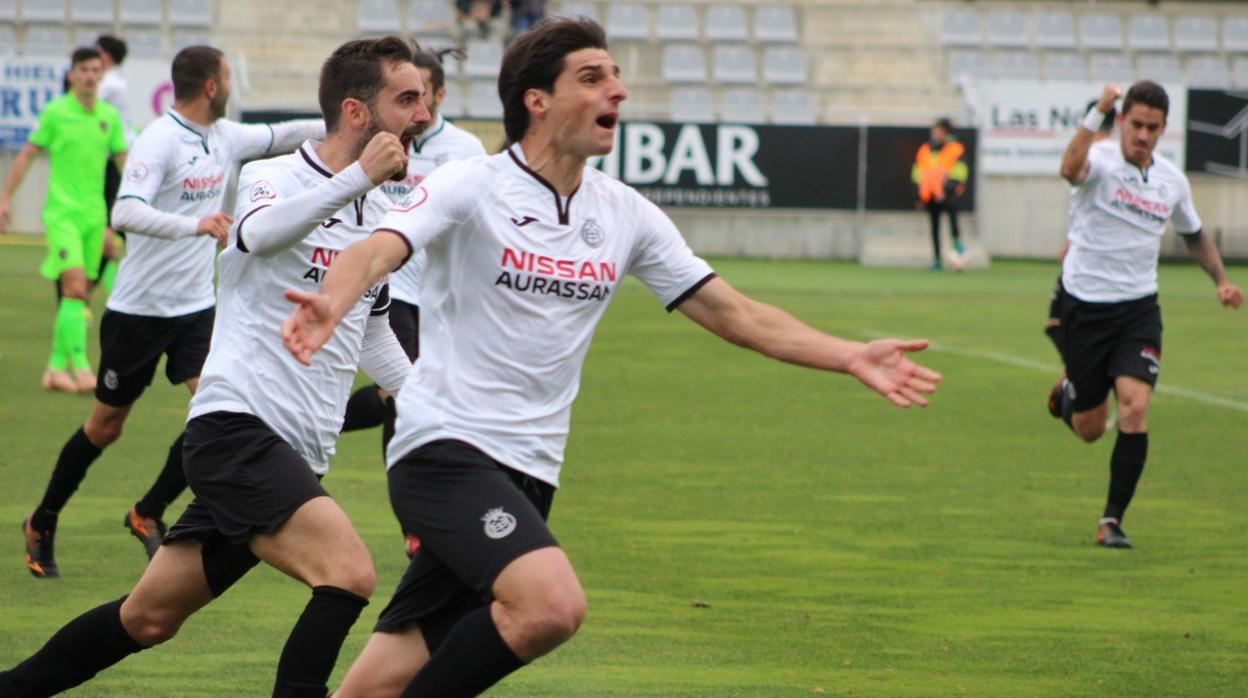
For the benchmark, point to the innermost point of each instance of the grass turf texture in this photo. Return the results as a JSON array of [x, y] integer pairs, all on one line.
[[748, 528]]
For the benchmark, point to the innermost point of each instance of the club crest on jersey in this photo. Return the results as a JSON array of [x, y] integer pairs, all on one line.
[[136, 172], [592, 233], [262, 190], [498, 523]]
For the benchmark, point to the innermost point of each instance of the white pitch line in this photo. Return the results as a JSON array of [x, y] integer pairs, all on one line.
[[1054, 369]]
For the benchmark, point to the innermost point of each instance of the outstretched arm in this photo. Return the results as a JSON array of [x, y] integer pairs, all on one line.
[[1075, 159], [880, 365], [1202, 249], [354, 271]]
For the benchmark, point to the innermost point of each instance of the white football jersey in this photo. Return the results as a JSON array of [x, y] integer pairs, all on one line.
[[176, 166], [113, 89], [248, 369], [440, 144], [1118, 215], [517, 279]]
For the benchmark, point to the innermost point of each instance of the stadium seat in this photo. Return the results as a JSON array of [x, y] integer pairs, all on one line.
[[1196, 33], [145, 12], [8, 40], [1208, 72], [430, 17], [794, 106], [146, 43], [569, 9], [734, 64], [1055, 30], [960, 28], [1235, 34], [1148, 32], [93, 12], [378, 16], [1158, 68], [1007, 29], [1063, 65], [43, 11], [784, 65], [483, 101], [484, 58], [42, 40], [742, 105], [683, 63], [692, 104], [190, 13], [1100, 31], [726, 23], [775, 24], [1015, 65], [1239, 72], [1110, 67], [85, 35], [8, 13], [677, 22], [971, 63], [627, 21]]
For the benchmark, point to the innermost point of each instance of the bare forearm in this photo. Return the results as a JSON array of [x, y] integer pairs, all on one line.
[[1075, 159], [1201, 248], [357, 269], [778, 335], [21, 164]]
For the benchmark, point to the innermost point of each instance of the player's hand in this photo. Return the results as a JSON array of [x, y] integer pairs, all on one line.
[[1229, 295], [216, 226], [882, 366], [1109, 95], [309, 326], [383, 157]]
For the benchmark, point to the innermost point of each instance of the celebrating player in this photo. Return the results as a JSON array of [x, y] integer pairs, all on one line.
[[262, 427], [526, 249], [163, 301], [79, 133], [1110, 321]]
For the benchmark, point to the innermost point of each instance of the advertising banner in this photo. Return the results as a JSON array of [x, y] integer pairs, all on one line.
[[1026, 124], [1217, 132]]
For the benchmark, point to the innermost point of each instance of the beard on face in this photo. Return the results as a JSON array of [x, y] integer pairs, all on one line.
[[216, 106]]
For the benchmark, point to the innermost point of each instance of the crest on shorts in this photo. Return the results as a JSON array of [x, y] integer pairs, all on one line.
[[498, 523], [110, 379], [592, 233]]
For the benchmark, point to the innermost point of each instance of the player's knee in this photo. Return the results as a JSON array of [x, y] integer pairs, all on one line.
[[150, 627], [555, 616], [103, 431], [355, 575]]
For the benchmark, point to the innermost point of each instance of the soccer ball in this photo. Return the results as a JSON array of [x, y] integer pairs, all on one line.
[[957, 261]]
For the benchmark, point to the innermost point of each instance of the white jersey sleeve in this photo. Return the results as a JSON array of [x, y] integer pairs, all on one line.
[[1185, 219], [381, 355], [1100, 161], [141, 182], [444, 199], [662, 260], [251, 141], [269, 217]]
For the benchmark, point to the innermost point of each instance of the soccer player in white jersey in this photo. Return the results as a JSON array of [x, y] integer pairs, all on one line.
[[526, 249], [1110, 320], [114, 90], [262, 427], [442, 142], [163, 302]]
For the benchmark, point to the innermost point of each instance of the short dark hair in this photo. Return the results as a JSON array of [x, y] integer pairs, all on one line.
[[1107, 124], [83, 53], [431, 60], [192, 67], [113, 46], [535, 59], [355, 71], [1148, 93], [944, 123]]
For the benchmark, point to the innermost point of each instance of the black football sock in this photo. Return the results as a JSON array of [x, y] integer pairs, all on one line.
[[71, 467], [312, 648], [1125, 467], [168, 485], [472, 658], [365, 410], [77, 652]]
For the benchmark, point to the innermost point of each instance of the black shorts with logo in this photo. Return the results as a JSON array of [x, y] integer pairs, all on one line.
[[405, 322], [1101, 341], [130, 349], [246, 480], [473, 516]]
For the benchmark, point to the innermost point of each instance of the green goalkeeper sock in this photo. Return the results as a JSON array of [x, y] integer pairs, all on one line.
[[71, 330], [108, 274], [58, 360]]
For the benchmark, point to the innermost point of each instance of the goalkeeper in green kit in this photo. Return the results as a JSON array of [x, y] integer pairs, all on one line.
[[79, 133]]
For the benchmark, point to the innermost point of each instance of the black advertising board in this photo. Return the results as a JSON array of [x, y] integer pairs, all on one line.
[[890, 156], [1217, 132], [738, 166]]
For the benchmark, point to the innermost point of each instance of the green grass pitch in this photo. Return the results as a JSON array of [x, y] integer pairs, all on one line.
[[746, 528]]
